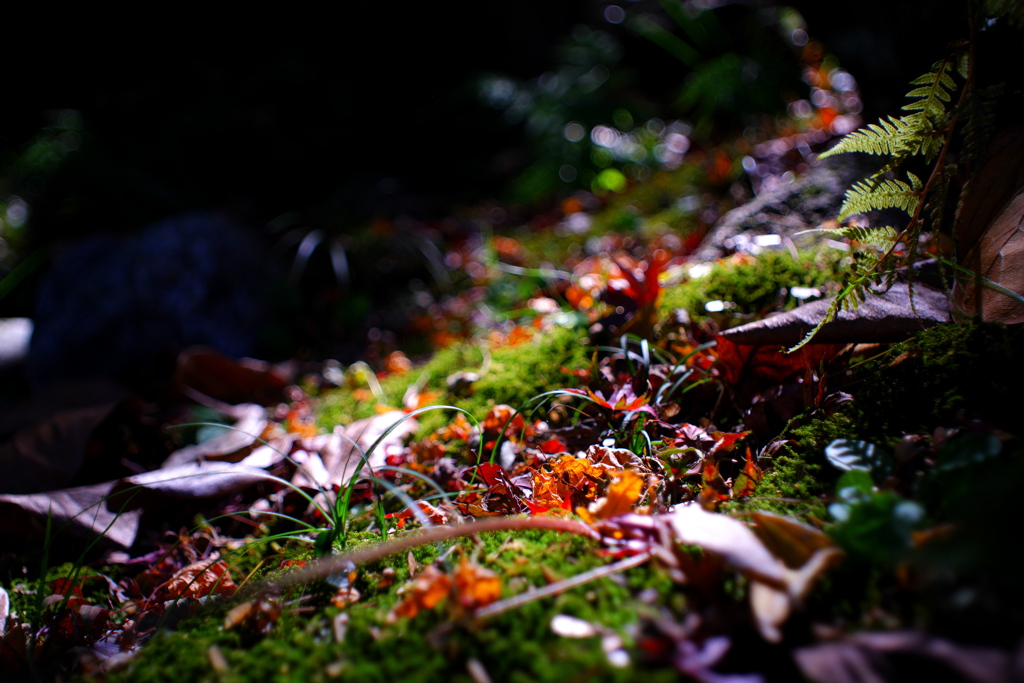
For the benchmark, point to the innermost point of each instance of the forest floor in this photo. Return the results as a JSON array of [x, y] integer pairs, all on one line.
[[564, 471]]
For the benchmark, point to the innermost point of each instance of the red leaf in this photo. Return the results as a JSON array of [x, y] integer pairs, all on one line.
[[770, 364]]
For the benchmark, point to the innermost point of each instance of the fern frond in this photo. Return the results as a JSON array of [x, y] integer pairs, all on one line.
[[887, 194], [936, 89], [853, 293], [935, 207], [881, 238], [893, 137]]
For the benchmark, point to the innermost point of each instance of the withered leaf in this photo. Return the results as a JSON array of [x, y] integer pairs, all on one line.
[[879, 318], [476, 586]]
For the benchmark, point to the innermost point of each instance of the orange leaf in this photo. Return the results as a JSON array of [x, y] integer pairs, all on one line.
[[475, 585], [748, 478], [199, 580], [623, 493], [713, 488], [425, 592]]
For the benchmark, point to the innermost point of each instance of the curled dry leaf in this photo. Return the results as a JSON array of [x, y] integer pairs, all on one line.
[[880, 318], [232, 444], [342, 450], [82, 511], [199, 580], [625, 491], [776, 588]]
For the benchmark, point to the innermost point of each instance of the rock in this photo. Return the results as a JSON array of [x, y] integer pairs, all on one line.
[[123, 307]]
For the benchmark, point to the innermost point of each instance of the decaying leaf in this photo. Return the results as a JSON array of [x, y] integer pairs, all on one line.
[[625, 491], [44, 442], [905, 655], [768, 363], [210, 373], [199, 580], [748, 478], [888, 317], [776, 588], [426, 591], [231, 444], [82, 511], [343, 449], [475, 586]]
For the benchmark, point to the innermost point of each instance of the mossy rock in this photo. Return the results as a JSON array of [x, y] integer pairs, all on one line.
[[755, 287]]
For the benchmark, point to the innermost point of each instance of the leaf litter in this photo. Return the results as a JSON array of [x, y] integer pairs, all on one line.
[[625, 454]]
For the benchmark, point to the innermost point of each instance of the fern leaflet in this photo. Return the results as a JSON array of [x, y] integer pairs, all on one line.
[[895, 137], [936, 89], [887, 194]]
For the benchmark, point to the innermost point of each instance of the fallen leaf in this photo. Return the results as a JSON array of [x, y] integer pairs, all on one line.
[[81, 511], [232, 444], [426, 591], [768, 363], [46, 440], [211, 373], [625, 491], [990, 232], [904, 655], [342, 450], [476, 586], [791, 541], [198, 580], [887, 317], [747, 480], [188, 482]]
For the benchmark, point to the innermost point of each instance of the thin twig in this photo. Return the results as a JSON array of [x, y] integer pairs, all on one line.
[[330, 565], [496, 608]]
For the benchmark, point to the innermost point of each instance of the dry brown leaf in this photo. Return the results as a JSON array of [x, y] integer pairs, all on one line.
[[789, 540], [188, 482], [341, 450], [199, 580], [904, 655], [211, 373], [989, 232], [81, 511], [233, 444], [776, 588], [45, 440], [879, 318]]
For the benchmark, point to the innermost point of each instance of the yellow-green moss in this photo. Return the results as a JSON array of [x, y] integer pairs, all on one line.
[[516, 646], [516, 375], [755, 288]]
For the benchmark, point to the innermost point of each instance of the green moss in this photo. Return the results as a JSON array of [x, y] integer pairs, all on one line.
[[944, 373], [516, 375], [755, 288], [515, 646]]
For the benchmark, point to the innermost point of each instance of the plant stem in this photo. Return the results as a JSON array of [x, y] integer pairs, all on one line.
[[330, 565]]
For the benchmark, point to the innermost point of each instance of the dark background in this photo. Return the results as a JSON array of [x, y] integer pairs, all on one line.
[[333, 119]]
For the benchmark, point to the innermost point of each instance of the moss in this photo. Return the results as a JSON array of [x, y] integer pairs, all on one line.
[[756, 288], [515, 646], [965, 370], [516, 375]]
